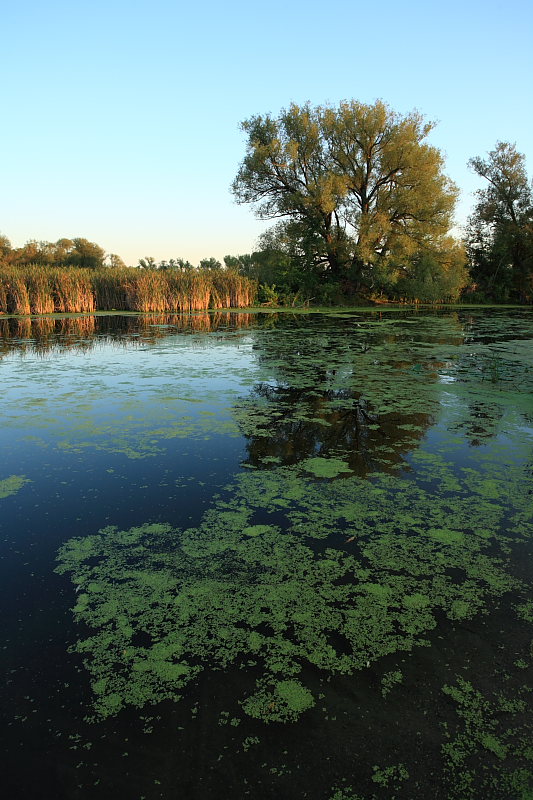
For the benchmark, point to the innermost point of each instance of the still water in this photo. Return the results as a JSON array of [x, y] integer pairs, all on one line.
[[269, 556]]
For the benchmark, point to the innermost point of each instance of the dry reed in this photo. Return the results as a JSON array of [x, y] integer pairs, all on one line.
[[15, 294], [41, 290]]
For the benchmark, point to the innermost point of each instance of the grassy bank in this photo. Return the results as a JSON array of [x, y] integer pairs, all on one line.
[[45, 290]]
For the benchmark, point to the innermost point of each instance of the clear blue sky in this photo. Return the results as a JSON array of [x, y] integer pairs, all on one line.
[[121, 118]]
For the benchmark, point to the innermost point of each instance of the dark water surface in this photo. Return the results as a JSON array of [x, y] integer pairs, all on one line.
[[268, 556]]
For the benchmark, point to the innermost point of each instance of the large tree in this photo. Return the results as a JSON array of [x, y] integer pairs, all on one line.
[[361, 190], [500, 230]]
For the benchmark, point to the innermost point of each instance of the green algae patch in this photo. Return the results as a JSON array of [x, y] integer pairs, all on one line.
[[12, 485], [325, 467], [488, 746], [257, 530], [525, 611], [344, 793], [163, 604], [446, 536], [416, 600], [390, 776], [389, 680], [285, 701], [377, 591]]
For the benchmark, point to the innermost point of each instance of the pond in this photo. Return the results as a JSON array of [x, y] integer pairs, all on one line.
[[272, 555]]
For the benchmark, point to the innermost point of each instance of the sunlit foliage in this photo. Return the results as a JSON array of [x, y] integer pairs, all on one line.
[[360, 190]]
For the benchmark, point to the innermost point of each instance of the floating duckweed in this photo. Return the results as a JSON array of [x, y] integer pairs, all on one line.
[[525, 611], [12, 485], [389, 680], [416, 600], [325, 467], [165, 604], [344, 793], [285, 701], [481, 751], [385, 776], [446, 536], [257, 530]]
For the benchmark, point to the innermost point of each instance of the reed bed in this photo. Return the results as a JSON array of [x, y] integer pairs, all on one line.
[[40, 292], [43, 290], [110, 292], [16, 294], [72, 290]]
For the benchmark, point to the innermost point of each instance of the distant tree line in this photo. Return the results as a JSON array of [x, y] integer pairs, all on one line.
[[76, 252], [79, 252], [209, 264]]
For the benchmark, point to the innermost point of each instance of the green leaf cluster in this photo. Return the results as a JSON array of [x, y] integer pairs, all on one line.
[[359, 188]]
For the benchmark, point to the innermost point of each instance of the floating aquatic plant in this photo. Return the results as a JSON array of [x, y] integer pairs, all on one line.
[[485, 756], [325, 467], [165, 604], [12, 485]]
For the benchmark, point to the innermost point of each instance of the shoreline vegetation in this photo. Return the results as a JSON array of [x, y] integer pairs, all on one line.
[[37, 289], [364, 217], [211, 316]]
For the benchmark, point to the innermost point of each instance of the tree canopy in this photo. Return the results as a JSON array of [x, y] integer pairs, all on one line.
[[359, 190], [77, 252], [500, 230]]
